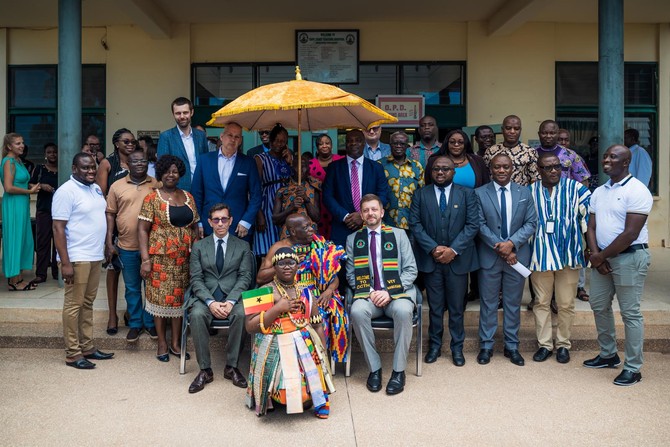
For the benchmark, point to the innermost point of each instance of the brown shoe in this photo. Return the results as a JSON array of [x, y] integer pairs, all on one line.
[[203, 377], [235, 375]]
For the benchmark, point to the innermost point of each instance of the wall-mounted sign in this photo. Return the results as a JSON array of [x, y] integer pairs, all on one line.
[[329, 56], [407, 108]]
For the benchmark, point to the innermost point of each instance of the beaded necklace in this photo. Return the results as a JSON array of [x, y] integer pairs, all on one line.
[[299, 322]]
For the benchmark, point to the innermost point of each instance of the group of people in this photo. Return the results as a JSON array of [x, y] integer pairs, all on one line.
[[375, 226]]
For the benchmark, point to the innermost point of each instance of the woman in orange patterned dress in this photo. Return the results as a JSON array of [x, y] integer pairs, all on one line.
[[168, 228]]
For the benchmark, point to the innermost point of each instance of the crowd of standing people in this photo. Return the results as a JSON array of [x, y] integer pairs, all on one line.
[[193, 226]]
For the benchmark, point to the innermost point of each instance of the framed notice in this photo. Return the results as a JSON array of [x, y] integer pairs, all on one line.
[[329, 56], [407, 108]]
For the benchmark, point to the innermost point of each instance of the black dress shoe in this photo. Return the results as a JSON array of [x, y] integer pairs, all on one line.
[[457, 358], [542, 354], [200, 380], [432, 355], [484, 356], [627, 378], [234, 374], [99, 355], [599, 362], [562, 355], [396, 383], [81, 363], [375, 381], [514, 357]]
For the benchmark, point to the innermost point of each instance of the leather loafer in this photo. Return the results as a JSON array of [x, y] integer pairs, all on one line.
[[627, 378], [375, 381], [562, 355], [514, 357], [396, 383], [81, 363], [484, 356], [599, 362], [432, 355], [200, 380], [99, 355], [457, 358], [542, 354], [234, 374]]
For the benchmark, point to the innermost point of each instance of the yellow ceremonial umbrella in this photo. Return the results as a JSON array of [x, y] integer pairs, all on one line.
[[301, 105]]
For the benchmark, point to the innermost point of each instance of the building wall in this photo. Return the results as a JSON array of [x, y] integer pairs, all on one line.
[[506, 74]]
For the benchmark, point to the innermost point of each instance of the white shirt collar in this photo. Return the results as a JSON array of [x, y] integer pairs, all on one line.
[[500, 186], [359, 159], [183, 135], [377, 230], [224, 238]]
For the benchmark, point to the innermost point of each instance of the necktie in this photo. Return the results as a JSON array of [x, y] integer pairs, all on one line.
[[503, 214], [219, 255], [443, 199], [355, 187], [373, 255]]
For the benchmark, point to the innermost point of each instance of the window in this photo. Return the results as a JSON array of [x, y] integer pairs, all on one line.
[[577, 106], [33, 104]]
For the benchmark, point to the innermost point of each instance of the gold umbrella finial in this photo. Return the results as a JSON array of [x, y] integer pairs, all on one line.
[[298, 76]]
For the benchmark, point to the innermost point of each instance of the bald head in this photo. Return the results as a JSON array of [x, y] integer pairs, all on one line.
[[616, 161]]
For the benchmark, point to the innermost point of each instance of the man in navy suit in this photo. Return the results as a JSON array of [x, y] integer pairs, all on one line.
[[444, 218], [183, 141], [229, 177], [507, 220], [347, 180]]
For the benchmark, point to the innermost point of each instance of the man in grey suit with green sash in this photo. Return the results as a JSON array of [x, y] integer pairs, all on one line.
[[221, 269], [381, 270]]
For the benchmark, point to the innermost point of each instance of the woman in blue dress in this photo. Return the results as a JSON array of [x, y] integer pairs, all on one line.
[[17, 236], [274, 169]]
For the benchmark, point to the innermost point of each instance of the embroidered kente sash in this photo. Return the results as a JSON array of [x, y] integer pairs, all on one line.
[[389, 256]]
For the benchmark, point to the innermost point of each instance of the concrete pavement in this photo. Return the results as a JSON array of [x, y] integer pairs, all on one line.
[[135, 399]]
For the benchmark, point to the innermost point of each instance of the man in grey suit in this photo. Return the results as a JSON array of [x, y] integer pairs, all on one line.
[[381, 269], [221, 269], [444, 219], [507, 220], [183, 141]]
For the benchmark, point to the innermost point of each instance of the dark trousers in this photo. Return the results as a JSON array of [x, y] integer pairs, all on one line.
[[445, 290], [201, 318], [46, 252]]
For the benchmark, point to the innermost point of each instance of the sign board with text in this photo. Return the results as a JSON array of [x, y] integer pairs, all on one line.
[[329, 56], [407, 108]]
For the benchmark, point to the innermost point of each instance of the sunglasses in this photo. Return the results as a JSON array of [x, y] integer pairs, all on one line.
[[127, 142], [218, 220], [442, 169], [551, 168]]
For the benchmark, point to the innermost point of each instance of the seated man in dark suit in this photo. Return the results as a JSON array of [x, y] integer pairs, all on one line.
[[221, 269], [228, 177], [507, 220], [444, 218], [347, 180]]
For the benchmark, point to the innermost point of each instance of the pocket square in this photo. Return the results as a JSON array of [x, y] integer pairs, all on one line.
[[241, 174]]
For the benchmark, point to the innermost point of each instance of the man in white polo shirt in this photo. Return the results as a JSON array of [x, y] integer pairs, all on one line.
[[78, 206], [617, 238]]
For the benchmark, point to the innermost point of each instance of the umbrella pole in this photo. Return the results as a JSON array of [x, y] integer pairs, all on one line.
[[299, 147]]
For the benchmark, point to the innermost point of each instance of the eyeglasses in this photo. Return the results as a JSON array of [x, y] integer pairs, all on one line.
[[287, 263], [551, 168], [138, 162], [126, 142], [218, 220], [442, 169]]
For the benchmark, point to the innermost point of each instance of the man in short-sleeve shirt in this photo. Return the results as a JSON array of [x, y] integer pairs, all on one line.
[[618, 243], [79, 206], [524, 158]]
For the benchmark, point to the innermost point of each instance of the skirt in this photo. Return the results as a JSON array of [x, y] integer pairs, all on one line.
[[165, 287]]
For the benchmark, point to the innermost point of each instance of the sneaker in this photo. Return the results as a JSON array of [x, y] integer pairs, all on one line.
[[133, 335], [152, 333]]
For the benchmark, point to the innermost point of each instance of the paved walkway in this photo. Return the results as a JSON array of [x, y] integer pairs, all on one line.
[[136, 400]]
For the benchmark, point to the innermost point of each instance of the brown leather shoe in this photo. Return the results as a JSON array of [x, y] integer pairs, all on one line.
[[235, 375], [200, 380]]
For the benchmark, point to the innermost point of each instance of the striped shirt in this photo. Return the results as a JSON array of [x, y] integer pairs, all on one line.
[[567, 207]]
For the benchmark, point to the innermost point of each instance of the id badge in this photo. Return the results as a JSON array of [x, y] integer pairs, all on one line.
[[551, 224]]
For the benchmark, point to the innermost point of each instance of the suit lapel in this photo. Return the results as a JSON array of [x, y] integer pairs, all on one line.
[[516, 212], [347, 181], [491, 191], [209, 254], [180, 143], [450, 202], [230, 252], [233, 175]]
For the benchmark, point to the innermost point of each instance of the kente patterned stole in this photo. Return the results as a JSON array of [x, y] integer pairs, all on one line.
[[389, 254]]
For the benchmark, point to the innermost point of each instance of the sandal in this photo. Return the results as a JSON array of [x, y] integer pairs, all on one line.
[[13, 287], [582, 295]]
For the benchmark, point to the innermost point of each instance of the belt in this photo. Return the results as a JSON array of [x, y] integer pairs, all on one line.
[[635, 247]]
